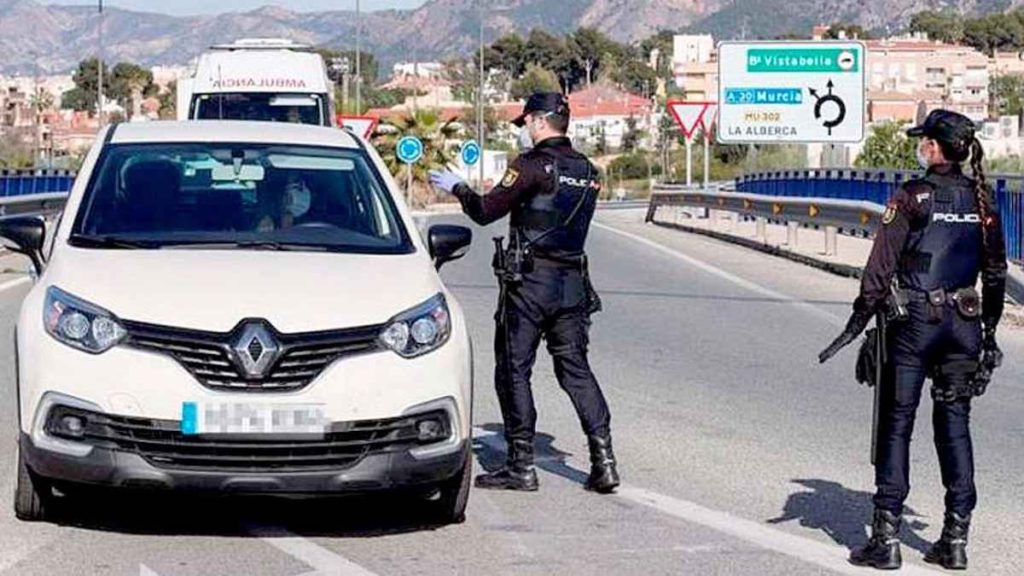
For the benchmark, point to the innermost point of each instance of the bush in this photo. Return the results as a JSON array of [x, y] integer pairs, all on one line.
[[629, 167]]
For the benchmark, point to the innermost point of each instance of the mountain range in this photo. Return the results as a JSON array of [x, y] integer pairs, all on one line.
[[36, 38]]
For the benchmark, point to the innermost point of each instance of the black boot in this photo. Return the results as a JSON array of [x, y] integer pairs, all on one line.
[[883, 549], [950, 551], [518, 473], [604, 478]]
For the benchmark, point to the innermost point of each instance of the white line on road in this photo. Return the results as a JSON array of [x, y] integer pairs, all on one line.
[[16, 282], [323, 561], [805, 549], [728, 276]]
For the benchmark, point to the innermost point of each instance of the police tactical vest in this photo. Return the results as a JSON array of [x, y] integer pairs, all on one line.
[[555, 221], [947, 251]]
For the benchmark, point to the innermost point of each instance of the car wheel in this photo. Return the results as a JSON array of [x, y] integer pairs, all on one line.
[[33, 496], [454, 494]]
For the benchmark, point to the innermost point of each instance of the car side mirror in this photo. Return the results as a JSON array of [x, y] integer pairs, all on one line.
[[25, 235], [448, 243]]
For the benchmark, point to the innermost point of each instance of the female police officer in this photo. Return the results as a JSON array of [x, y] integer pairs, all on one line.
[[938, 234]]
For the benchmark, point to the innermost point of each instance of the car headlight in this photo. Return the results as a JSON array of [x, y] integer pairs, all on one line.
[[420, 330], [79, 324]]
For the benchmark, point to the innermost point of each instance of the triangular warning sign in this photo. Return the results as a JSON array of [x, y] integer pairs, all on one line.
[[688, 115], [710, 118], [362, 125]]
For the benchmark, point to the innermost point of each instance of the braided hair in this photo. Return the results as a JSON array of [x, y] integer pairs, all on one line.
[[959, 151]]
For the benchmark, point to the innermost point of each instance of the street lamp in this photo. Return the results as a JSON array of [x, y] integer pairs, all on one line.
[[99, 67], [359, 58]]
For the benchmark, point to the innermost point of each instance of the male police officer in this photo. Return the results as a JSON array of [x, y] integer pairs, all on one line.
[[551, 192]]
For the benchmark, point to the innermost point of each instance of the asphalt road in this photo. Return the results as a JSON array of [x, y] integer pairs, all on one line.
[[740, 454]]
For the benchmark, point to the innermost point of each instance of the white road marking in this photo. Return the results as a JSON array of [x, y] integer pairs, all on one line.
[[13, 283], [324, 562], [147, 571], [728, 276], [824, 555]]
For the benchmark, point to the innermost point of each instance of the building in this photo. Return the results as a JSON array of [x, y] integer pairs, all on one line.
[[1007, 64], [918, 66], [904, 107], [604, 109], [1001, 137], [422, 69], [695, 67]]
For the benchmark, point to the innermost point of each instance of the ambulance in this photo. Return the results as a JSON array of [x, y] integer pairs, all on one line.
[[263, 79]]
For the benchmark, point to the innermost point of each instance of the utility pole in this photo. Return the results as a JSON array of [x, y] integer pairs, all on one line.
[[480, 99], [99, 58], [359, 58]]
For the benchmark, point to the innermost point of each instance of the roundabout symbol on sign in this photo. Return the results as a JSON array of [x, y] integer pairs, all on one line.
[[409, 149], [830, 97], [470, 153]]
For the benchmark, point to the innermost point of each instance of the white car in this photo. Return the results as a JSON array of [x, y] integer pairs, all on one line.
[[240, 307]]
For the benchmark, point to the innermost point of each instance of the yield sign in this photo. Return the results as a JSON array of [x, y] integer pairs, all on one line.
[[710, 118], [689, 115], [362, 125]]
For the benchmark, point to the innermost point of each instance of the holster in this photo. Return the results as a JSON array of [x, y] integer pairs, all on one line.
[[593, 299], [968, 303], [867, 367], [935, 305]]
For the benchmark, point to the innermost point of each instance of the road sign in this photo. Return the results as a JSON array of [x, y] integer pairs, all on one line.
[[409, 149], [688, 115], [470, 152], [362, 125], [799, 92]]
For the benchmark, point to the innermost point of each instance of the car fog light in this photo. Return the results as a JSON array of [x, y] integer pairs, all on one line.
[[72, 426], [430, 430]]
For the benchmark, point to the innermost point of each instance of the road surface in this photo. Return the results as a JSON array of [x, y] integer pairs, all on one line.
[[740, 454]]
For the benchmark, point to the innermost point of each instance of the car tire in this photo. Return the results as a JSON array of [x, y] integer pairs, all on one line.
[[33, 496], [454, 494]]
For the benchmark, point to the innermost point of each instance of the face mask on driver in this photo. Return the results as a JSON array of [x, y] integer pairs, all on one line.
[[297, 198]]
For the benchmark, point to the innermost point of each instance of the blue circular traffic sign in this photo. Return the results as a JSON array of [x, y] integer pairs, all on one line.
[[409, 149], [470, 153]]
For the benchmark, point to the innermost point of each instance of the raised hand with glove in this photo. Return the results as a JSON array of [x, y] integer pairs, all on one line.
[[444, 180]]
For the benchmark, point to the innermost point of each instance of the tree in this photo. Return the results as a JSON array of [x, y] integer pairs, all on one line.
[[942, 26], [86, 78], [1008, 95], [128, 83], [589, 49], [662, 42], [601, 146], [848, 31], [169, 101], [633, 74], [549, 51], [535, 79], [438, 148], [631, 137], [888, 147]]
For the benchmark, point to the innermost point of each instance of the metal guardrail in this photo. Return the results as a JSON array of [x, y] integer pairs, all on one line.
[[32, 182], [877, 186]]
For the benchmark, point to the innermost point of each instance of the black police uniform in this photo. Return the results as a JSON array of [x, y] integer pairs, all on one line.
[[550, 193], [935, 243]]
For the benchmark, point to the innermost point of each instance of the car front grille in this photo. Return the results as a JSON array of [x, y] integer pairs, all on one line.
[[209, 357], [162, 443]]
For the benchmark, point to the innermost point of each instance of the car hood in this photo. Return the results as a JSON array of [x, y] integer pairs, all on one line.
[[216, 289]]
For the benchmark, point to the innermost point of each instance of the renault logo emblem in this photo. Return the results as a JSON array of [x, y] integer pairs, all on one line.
[[255, 350]]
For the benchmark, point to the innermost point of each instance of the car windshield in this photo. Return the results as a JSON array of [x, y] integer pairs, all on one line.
[[293, 108], [238, 196]]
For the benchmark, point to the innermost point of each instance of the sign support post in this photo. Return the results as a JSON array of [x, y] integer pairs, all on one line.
[[409, 150], [689, 116]]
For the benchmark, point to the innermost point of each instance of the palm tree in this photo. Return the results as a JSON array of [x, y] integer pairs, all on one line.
[[439, 145], [39, 102]]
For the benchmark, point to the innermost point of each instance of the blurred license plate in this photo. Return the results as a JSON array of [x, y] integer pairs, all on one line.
[[251, 418]]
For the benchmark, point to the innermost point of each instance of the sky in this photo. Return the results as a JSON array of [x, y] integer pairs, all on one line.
[[190, 7]]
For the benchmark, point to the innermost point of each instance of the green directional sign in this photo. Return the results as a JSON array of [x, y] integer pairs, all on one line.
[[803, 60]]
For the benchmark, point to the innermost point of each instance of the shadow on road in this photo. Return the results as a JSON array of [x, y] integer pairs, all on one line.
[[844, 514], [490, 453], [244, 516]]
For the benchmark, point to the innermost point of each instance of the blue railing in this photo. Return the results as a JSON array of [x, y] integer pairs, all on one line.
[[24, 182], [878, 185]]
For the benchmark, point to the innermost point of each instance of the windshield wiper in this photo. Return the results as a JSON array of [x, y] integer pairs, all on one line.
[[107, 241], [250, 245]]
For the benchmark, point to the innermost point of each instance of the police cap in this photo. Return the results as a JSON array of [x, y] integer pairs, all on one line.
[[946, 126], [552, 102]]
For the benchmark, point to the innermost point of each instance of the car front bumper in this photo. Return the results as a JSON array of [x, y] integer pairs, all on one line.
[[119, 469]]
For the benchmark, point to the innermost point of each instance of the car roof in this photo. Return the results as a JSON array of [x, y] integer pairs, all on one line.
[[232, 131]]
